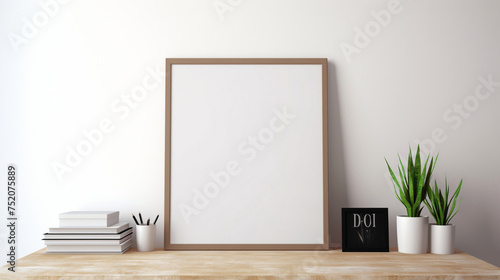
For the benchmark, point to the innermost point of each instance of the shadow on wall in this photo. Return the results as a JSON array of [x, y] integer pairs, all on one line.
[[474, 222], [336, 163]]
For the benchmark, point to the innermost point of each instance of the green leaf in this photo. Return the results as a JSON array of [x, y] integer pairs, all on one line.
[[400, 197], [392, 174], [454, 197], [432, 212], [422, 189], [404, 185], [460, 203], [441, 206], [402, 166], [417, 164], [411, 175], [412, 188]]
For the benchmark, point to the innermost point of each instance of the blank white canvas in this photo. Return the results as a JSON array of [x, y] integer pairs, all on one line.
[[277, 195]]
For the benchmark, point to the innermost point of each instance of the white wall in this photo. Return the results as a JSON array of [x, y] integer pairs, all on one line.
[[70, 74]]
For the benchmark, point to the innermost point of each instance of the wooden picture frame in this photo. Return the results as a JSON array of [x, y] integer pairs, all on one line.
[[365, 230], [246, 155]]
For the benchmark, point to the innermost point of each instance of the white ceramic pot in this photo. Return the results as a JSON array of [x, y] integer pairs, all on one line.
[[413, 234], [442, 239], [146, 236]]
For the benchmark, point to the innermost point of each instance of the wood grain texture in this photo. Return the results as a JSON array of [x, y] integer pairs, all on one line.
[[314, 265]]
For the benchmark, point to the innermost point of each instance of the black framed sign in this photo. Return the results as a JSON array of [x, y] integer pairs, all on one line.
[[365, 230]]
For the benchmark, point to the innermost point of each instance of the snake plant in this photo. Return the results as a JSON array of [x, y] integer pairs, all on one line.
[[439, 204], [414, 182]]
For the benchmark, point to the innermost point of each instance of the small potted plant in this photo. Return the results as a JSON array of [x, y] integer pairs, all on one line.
[[443, 208], [411, 191]]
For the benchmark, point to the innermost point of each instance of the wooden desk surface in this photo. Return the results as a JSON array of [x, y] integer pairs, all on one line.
[[266, 265]]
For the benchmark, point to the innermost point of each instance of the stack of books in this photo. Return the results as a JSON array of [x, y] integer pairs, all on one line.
[[89, 232]]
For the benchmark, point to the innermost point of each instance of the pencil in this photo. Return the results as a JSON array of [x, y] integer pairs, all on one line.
[[137, 223], [140, 217], [147, 222], [156, 219]]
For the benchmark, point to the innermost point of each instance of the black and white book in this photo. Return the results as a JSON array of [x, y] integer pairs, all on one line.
[[90, 248], [89, 218], [88, 241], [114, 229], [69, 236]]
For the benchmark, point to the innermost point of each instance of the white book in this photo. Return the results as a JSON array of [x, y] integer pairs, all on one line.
[[88, 241], [56, 251], [89, 248], [89, 218], [116, 228], [118, 236]]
